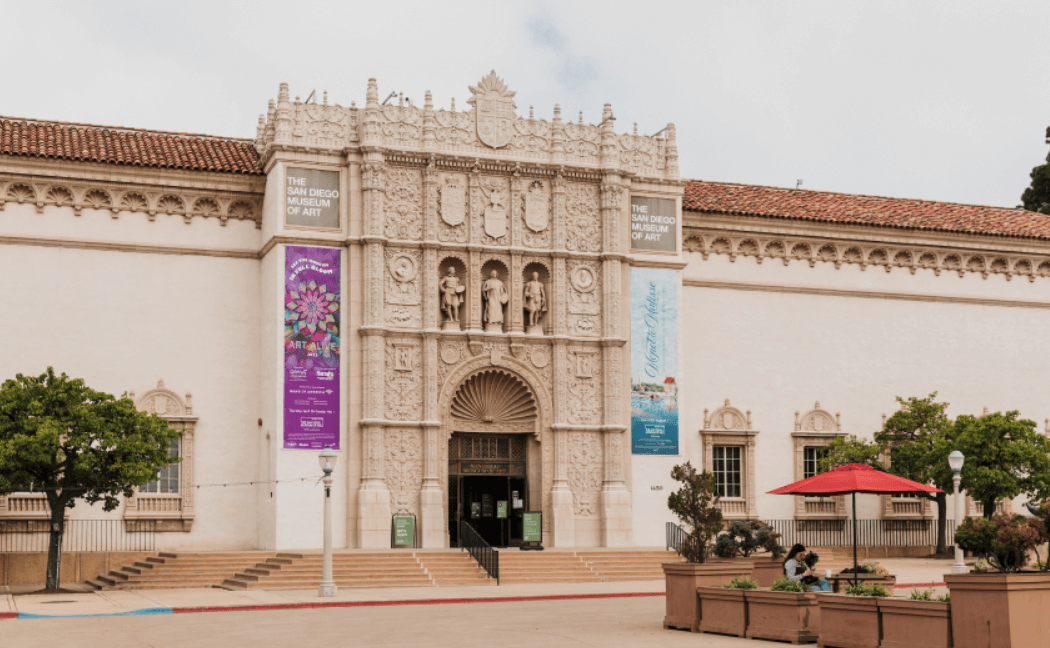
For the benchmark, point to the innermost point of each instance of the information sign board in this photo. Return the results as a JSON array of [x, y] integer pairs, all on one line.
[[501, 508], [475, 510], [311, 198], [404, 531], [532, 526], [654, 224]]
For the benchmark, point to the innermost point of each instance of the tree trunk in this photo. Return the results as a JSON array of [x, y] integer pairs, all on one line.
[[942, 523], [54, 545], [989, 509]]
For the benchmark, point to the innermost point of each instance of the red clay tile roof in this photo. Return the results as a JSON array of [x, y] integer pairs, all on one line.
[[129, 146], [854, 209]]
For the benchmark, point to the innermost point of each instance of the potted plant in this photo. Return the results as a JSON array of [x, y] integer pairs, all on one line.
[[694, 504], [786, 612], [1005, 604], [875, 569], [921, 621], [851, 620], [724, 608], [748, 540]]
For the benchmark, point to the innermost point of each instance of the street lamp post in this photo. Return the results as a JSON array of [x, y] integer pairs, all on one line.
[[326, 459], [955, 460]]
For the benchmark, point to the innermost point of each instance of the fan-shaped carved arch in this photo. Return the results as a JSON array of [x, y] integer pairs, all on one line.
[[494, 401]]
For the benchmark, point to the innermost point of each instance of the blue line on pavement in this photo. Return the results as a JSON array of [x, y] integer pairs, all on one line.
[[159, 610]]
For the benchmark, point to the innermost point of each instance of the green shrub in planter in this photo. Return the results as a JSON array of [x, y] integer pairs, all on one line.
[[925, 595], [787, 585], [866, 589], [742, 582], [746, 537], [1004, 540], [946, 598]]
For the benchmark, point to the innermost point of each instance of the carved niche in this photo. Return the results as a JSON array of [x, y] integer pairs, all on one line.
[[404, 469], [583, 380], [404, 395], [403, 294], [729, 427], [403, 204], [585, 471], [171, 511], [585, 298], [583, 218], [536, 208]]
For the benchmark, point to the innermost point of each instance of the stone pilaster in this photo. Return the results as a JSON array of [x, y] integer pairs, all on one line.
[[564, 517], [373, 498], [515, 286]]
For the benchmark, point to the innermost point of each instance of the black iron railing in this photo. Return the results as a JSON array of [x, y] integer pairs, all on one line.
[[471, 541], [870, 533], [31, 536], [676, 535]]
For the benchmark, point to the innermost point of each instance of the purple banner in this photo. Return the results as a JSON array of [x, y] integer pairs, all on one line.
[[311, 347]]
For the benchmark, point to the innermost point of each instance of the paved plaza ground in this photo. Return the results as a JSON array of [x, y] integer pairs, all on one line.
[[626, 614]]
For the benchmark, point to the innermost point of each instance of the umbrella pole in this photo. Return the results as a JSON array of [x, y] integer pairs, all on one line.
[[854, 538]]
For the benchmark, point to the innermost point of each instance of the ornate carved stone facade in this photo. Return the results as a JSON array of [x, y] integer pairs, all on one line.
[[814, 430], [728, 427]]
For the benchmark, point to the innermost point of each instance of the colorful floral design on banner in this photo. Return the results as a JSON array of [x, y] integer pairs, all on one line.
[[311, 347]]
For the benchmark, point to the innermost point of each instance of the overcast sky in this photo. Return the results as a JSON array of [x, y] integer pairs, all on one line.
[[941, 100]]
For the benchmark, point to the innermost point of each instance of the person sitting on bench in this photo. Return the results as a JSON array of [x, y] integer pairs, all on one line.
[[797, 570]]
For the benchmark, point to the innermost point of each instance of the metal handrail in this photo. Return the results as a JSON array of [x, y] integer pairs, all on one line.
[[472, 542], [676, 535], [32, 536]]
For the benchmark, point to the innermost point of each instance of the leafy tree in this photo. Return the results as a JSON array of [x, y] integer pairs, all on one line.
[[694, 504], [75, 443], [1037, 196], [1005, 457], [909, 438]]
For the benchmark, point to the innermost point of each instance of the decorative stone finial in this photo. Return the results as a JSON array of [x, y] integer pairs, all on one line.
[[428, 101], [636, 129], [401, 99], [372, 95], [606, 111], [453, 104], [530, 114], [557, 112], [326, 97], [282, 92], [581, 118]]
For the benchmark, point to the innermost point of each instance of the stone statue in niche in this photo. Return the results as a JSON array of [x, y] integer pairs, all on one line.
[[450, 299], [535, 300], [495, 295]]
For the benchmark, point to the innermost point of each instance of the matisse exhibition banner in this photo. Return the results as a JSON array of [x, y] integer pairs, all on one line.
[[311, 347], [654, 361]]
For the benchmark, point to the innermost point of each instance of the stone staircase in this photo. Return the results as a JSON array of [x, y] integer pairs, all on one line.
[[543, 567], [628, 565], [303, 571], [169, 570]]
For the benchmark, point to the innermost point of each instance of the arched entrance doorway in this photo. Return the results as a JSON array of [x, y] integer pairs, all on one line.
[[493, 419]]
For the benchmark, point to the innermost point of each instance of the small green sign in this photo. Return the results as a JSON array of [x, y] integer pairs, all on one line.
[[404, 531], [475, 509], [532, 526], [501, 509]]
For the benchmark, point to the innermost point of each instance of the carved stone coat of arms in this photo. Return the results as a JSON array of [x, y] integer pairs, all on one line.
[[536, 212], [453, 204], [495, 213], [494, 110]]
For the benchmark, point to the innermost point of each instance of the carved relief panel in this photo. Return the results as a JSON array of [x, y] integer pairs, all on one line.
[[403, 296], [536, 214], [404, 396], [452, 207], [404, 469], [583, 380], [585, 297], [585, 471], [583, 218], [403, 204], [490, 209]]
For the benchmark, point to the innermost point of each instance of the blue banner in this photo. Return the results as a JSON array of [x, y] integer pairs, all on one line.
[[654, 361]]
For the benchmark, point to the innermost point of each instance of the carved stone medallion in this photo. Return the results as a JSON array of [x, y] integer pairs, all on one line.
[[495, 213], [403, 267], [537, 216], [494, 108], [453, 203], [540, 356], [450, 354], [583, 279]]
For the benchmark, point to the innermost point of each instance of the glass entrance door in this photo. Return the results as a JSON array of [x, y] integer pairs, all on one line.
[[485, 471]]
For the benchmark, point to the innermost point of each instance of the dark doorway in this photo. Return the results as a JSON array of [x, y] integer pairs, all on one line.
[[487, 487]]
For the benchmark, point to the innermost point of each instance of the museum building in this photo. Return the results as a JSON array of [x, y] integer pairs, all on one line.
[[486, 314]]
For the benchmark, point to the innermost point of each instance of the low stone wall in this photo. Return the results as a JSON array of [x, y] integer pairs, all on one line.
[[31, 568], [870, 553]]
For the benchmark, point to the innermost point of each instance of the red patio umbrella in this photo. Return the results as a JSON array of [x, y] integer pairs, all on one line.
[[853, 479]]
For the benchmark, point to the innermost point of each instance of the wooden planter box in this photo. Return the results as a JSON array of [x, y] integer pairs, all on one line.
[[724, 611], [682, 581], [782, 616], [848, 621], [1000, 610], [915, 624]]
